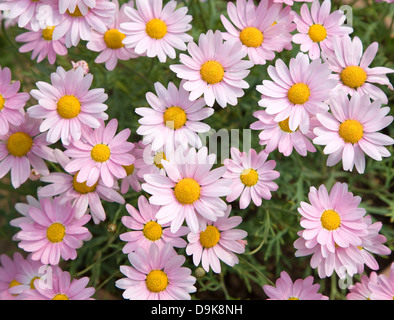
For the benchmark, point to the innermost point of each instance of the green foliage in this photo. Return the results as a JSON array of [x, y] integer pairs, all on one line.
[[272, 228]]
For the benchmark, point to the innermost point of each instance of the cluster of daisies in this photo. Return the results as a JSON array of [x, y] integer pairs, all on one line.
[[326, 95]]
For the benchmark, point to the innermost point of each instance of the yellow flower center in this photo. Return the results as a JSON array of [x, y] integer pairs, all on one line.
[[156, 281], [251, 37], [19, 144], [100, 153], [2, 102], [76, 14], [317, 32], [14, 283], [56, 232], [152, 231], [81, 187], [212, 72], [156, 29], [174, 118], [351, 131], [47, 33], [32, 282], [353, 76], [60, 296], [284, 126], [299, 93], [293, 298], [330, 220], [68, 107], [113, 39], [129, 169], [187, 191], [209, 237], [157, 159], [249, 177]]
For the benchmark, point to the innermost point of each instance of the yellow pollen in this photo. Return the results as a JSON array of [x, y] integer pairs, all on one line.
[[100, 153], [187, 191], [152, 231], [19, 144], [156, 29], [81, 187], [76, 14], [351, 131], [249, 177], [251, 37], [32, 282], [68, 107], [56, 232], [14, 283], [330, 220], [212, 72], [209, 237], [156, 281], [317, 32], [157, 159], [174, 118], [299, 93], [60, 296], [293, 298], [284, 126], [47, 33], [353, 76], [129, 169], [113, 39], [2, 102]]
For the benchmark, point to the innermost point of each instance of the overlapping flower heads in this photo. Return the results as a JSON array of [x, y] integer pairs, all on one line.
[[326, 94]]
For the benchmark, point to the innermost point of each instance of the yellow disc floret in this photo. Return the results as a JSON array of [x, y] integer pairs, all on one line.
[[2, 102], [47, 33], [330, 220], [100, 153], [19, 144], [353, 76], [152, 231], [317, 32], [299, 93], [156, 281], [76, 14], [187, 191], [113, 39], [351, 131], [174, 118], [212, 72], [209, 237], [129, 169], [56, 232], [156, 29], [68, 107], [249, 177], [157, 159], [284, 126], [81, 187], [60, 296], [251, 37]]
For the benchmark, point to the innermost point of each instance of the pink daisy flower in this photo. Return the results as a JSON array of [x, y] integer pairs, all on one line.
[[332, 220], [149, 161], [12, 102], [72, 5], [214, 69], [218, 242], [24, 147], [63, 288], [67, 105], [383, 289], [361, 291], [296, 93], [262, 30], [156, 274], [23, 209], [155, 30], [109, 43], [286, 289], [351, 130], [9, 269], [78, 24], [42, 45], [24, 11], [251, 175], [172, 119], [55, 233], [277, 135], [291, 2], [145, 230], [350, 67], [190, 192], [83, 198], [101, 154], [317, 27]]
